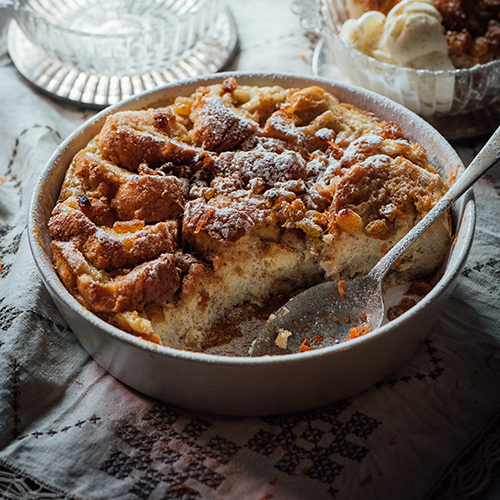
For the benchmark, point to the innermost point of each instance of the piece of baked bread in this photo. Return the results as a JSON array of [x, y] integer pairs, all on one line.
[[171, 217]]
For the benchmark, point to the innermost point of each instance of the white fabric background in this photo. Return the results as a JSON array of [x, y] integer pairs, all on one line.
[[69, 430]]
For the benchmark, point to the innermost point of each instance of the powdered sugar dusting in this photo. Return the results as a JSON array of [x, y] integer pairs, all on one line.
[[270, 167], [218, 128]]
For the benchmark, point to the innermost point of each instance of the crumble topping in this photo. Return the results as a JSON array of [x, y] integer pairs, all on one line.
[[235, 196]]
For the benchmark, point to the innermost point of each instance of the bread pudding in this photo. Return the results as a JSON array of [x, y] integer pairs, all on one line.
[[237, 196]]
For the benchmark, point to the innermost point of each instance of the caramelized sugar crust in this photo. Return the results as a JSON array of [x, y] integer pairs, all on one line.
[[172, 216]]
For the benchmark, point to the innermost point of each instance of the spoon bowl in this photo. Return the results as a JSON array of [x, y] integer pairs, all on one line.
[[322, 316]]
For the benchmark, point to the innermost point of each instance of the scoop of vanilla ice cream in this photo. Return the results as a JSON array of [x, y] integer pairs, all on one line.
[[414, 36], [411, 35], [364, 33]]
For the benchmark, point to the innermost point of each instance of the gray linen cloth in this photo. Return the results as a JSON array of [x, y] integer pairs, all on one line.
[[69, 430]]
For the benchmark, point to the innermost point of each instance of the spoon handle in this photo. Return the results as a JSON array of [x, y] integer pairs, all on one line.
[[484, 160]]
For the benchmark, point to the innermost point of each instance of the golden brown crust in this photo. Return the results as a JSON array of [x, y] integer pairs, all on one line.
[[225, 225], [153, 281], [126, 195], [381, 191], [170, 216], [383, 6], [472, 30], [269, 166], [150, 282], [151, 198], [116, 247], [129, 139], [217, 127]]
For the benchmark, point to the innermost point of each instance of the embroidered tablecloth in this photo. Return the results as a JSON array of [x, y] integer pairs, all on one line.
[[70, 430]]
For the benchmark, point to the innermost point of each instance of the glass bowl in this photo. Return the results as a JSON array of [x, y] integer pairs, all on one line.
[[459, 103], [116, 37], [98, 52]]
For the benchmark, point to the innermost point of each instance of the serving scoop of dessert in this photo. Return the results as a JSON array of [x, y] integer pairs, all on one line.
[[425, 34]]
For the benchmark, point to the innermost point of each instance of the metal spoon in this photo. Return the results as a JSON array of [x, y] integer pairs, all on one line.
[[323, 315]]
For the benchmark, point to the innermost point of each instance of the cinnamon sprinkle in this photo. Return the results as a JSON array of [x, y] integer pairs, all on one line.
[[453, 175], [341, 288], [305, 346]]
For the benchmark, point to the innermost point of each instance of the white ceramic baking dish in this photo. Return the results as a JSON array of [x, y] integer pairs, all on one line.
[[252, 386]]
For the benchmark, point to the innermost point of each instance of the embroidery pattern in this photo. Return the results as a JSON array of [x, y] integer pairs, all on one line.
[[435, 370], [7, 315], [470, 474], [9, 173], [312, 449], [17, 485], [51, 432], [492, 263], [14, 391], [157, 455], [10, 249], [160, 453]]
